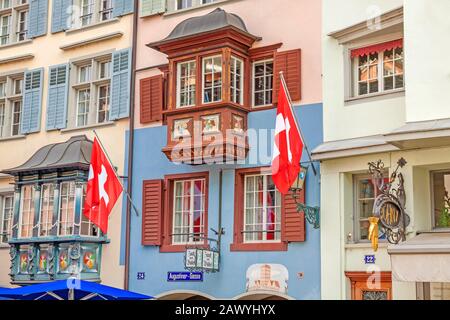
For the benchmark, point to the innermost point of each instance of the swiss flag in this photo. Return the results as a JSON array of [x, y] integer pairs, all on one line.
[[103, 189], [288, 146]]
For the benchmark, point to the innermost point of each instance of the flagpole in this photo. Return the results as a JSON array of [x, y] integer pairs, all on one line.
[[296, 121], [123, 187]]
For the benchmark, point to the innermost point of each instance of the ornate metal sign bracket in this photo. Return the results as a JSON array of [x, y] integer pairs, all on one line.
[[389, 207]]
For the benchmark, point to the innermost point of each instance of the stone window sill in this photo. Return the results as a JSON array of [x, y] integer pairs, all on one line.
[[92, 126], [280, 246], [365, 245], [12, 138], [15, 44], [375, 96], [92, 26]]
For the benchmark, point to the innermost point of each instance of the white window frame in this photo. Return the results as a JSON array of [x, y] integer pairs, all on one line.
[[108, 10], [14, 112], [84, 220], [191, 240], [87, 8], [20, 82], [177, 7], [87, 105], [6, 27], [433, 207], [6, 4], [107, 65], [233, 79], [47, 222], [21, 222], [213, 87], [3, 218], [60, 224], [99, 100], [186, 90], [2, 117], [22, 23], [264, 209], [87, 68], [266, 61], [380, 75]]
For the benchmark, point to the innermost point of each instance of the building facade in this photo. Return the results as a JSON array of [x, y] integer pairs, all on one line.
[[207, 75], [65, 71], [385, 98]]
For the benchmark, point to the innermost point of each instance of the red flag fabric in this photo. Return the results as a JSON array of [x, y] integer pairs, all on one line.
[[103, 189], [288, 146]]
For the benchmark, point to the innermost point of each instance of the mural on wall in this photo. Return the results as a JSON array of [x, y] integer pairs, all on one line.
[[267, 277]]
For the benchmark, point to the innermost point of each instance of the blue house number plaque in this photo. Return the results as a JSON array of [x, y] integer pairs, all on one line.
[[369, 259]]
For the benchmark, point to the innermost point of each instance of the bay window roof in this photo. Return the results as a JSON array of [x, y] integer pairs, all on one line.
[[75, 153], [216, 20]]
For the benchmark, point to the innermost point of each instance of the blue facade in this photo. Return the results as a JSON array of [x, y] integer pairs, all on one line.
[[151, 163]]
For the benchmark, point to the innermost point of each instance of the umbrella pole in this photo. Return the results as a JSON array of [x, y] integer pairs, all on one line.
[[71, 294]]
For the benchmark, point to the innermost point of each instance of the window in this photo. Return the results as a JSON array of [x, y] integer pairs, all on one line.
[[212, 79], [18, 84], [236, 81], [105, 10], [22, 25], [188, 211], [5, 4], [6, 214], [86, 10], [183, 4], [104, 69], [262, 207], [207, 1], [262, 83], [87, 227], [378, 70], [441, 198], [2, 118], [16, 118], [90, 93], [46, 214], [84, 97], [4, 29], [366, 193], [186, 84], [66, 209], [27, 212], [11, 90], [103, 104], [84, 74]]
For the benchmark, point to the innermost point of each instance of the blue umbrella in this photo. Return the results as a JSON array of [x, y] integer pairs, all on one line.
[[71, 289], [4, 292]]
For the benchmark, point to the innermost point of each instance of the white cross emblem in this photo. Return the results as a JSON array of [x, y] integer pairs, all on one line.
[[102, 178]]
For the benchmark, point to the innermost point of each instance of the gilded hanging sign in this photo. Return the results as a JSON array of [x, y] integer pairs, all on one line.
[[389, 212]]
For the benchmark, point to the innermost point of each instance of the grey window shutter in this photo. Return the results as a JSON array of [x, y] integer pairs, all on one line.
[[38, 16], [58, 86], [120, 84], [32, 101], [122, 7], [61, 13], [151, 7]]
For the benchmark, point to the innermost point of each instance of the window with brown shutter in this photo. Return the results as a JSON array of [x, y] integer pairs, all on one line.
[[152, 212], [151, 95], [285, 224], [290, 63]]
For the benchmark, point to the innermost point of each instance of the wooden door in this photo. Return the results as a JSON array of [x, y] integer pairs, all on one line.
[[363, 287]]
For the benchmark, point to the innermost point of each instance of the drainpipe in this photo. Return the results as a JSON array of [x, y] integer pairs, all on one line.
[[131, 147]]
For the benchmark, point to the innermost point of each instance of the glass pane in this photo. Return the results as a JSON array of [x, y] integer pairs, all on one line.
[[441, 189], [388, 83], [259, 70], [366, 208], [399, 82], [362, 60], [366, 189], [398, 66], [388, 68], [389, 55], [373, 86], [364, 230], [363, 88], [398, 53]]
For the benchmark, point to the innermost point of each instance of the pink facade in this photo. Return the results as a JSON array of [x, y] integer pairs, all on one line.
[[296, 24]]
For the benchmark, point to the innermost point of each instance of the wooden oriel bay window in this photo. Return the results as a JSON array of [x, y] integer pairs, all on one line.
[[214, 72], [175, 212]]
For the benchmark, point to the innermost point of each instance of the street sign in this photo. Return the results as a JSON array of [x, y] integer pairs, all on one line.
[[177, 276]]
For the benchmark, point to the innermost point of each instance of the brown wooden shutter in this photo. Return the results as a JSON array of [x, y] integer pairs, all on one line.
[[151, 94], [290, 63], [152, 208], [293, 222]]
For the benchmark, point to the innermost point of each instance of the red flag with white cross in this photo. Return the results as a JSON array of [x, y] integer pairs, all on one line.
[[103, 189], [288, 146]]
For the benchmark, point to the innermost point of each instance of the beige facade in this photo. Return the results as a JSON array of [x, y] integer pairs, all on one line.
[[76, 44], [409, 121]]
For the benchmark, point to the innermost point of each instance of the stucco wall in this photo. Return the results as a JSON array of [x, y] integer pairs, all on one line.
[[15, 152], [339, 255], [294, 23], [150, 163]]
